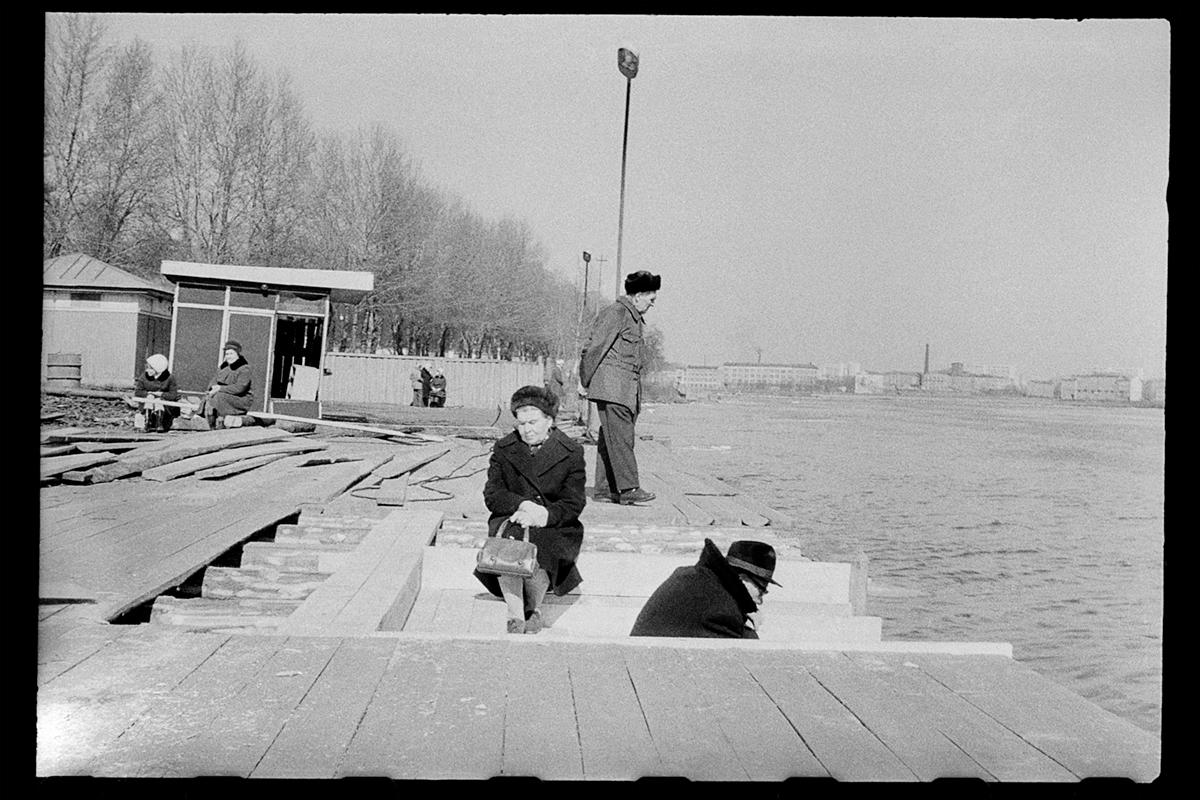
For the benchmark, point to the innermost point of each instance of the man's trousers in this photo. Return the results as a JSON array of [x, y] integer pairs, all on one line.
[[616, 466]]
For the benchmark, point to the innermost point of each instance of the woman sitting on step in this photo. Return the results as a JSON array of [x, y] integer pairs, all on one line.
[[230, 394], [535, 480], [156, 383]]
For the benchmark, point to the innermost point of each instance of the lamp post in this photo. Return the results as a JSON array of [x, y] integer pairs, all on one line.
[[587, 259], [627, 63]]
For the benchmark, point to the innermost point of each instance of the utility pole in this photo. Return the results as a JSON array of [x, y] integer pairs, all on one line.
[[599, 278], [627, 63]]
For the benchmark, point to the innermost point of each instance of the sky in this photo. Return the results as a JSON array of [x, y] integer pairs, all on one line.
[[811, 190]]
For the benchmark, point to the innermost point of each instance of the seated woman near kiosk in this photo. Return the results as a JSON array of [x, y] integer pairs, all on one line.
[[230, 393]]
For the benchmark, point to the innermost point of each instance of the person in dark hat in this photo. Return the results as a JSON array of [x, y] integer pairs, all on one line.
[[717, 597], [535, 482], [230, 394], [610, 375]]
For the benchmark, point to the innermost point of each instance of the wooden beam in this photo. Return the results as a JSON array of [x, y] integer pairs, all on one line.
[[238, 467], [393, 491], [188, 466], [198, 444], [57, 465], [347, 426]]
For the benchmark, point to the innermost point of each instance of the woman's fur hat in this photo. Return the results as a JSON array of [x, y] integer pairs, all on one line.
[[536, 396]]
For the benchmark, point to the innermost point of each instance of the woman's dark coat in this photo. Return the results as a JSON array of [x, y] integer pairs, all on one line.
[[143, 384], [705, 600], [553, 478], [234, 394]]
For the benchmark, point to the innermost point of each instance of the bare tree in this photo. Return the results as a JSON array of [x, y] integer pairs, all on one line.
[[75, 58]]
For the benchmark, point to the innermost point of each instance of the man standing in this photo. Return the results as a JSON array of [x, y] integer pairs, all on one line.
[[717, 597], [610, 374]]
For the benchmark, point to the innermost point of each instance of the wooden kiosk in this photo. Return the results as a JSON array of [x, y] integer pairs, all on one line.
[[279, 315]]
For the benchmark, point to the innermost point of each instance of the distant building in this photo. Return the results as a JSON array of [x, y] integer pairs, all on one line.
[[901, 380], [111, 319], [1111, 387], [742, 376], [1047, 389], [833, 372], [1155, 391], [869, 383], [700, 380]]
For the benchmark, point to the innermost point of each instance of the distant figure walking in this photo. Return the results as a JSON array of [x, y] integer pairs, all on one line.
[[718, 597], [414, 378], [437, 389], [156, 383], [610, 375], [426, 383], [230, 395]]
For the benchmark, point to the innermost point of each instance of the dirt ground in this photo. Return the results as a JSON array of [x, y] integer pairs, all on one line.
[[87, 412]]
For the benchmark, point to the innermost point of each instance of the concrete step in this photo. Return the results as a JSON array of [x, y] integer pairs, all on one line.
[[300, 534], [262, 584], [638, 575], [458, 612]]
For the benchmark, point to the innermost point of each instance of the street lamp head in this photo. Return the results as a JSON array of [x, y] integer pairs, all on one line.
[[627, 62], [587, 256]]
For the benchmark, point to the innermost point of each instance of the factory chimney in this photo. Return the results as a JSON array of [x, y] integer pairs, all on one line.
[[927, 359]]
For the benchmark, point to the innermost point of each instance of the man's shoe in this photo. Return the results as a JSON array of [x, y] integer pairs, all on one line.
[[637, 495], [604, 497], [534, 623], [516, 626]]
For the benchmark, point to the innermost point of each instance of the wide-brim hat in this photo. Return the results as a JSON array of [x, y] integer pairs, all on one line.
[[755, 559], [642, 281]]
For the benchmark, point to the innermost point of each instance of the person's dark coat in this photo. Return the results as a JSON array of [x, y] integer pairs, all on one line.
[[143, 384], [554, 478], [235, 394], [426, 385], [610, 366], [705, 600], [437, 391]]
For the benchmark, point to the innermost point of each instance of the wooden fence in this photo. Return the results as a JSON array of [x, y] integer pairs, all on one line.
[[470, 382]]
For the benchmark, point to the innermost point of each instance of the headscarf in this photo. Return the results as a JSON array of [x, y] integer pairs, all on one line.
[[158, 363]]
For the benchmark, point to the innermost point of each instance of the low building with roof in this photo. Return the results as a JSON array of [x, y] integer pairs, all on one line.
[[279, 315], [101, 320]]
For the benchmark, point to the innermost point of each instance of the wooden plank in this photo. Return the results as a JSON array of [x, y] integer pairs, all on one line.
[[191, 445], [1084, 738], [402, 435], [541, 738], [49, 451], [78, 435], [1004, 754], [47, 435], [687, 738], [240, 735], [393, 492], [238, 467], [392, 736], [382, 571], [161, 742], [405, 462], [188, 466], [464, 736], [900, 723], [765, 744], [79, 717], [613, 735], [57, 465], [845, 748], [693, 514], [728, 511], [62, 649], [316, 736], [264, 584], [105, 447]]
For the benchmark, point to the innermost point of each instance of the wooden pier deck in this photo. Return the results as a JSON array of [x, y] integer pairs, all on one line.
[[154, 701], [339, 690]]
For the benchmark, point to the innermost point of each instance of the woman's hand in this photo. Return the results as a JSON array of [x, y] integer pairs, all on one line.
[[530, 515]]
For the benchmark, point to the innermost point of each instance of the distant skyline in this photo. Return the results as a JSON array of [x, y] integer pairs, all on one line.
[[823, 189]]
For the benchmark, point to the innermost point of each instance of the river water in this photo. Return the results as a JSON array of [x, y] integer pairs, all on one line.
[[1038, 523]]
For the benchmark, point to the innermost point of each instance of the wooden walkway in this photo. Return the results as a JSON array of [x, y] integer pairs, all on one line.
[[152, 701]]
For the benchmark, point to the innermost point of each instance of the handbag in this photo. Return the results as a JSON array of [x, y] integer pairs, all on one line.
[[501, 555]]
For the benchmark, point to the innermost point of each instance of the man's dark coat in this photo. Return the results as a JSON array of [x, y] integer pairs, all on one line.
[[553, 478], [705, 600]]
